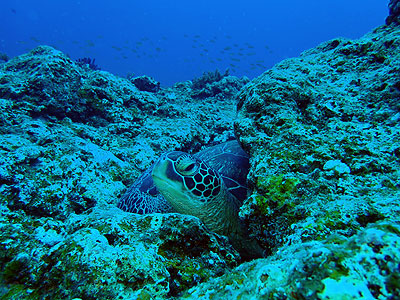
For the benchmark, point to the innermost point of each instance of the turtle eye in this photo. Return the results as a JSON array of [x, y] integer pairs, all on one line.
[[190, 167], [186, 165]]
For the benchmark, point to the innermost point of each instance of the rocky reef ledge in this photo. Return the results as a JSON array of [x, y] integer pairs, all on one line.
[[323, 133]]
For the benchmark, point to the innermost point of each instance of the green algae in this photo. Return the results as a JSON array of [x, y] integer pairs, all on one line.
[[18, 269], [276, 192]]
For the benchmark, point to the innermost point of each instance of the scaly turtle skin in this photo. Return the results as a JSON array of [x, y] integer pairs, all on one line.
[[210, 185], [231, 162]]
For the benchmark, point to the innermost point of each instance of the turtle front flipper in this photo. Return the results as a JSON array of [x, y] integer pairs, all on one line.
[[142, 197]]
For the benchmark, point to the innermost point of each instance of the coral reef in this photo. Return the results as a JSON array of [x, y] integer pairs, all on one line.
[[394, 12], [146, 83], [4, 57], [323, 135], [366, 266], [322, 130], [108, 254], [212, 84], [72, 140], [324, 138], [208, 78], [87, 61]]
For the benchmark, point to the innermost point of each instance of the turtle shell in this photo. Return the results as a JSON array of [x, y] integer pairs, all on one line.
[[228, 159], [232, 163]]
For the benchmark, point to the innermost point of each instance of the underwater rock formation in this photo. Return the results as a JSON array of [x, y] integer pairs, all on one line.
[[107, 254], [215, 84], [323, 134], [146, 84], [323, 130], [88, 62], [364, 266], [394, 12], [72, 140]]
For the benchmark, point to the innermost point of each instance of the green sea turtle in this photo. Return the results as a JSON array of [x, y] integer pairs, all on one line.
[[210, 185]]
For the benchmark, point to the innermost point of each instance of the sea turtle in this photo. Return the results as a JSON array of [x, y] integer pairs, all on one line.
[[210, 185]]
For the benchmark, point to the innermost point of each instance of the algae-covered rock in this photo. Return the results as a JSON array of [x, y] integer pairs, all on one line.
[[362, 267], [72, 139], [108, 254], [146, 83], [394, 12], [215, 84], [323, 134]]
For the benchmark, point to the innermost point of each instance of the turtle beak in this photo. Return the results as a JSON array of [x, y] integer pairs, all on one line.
[[159, 169], [164, 175]]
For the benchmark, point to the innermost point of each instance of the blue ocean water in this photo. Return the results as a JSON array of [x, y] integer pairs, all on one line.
[[178, 40]]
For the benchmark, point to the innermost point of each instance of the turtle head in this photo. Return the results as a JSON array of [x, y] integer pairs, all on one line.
[[185, 182]]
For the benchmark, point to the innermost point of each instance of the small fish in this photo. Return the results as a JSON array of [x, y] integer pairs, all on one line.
[[35, 39], [89, 43]]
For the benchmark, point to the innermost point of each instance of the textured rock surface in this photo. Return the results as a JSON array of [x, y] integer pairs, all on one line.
[[362, 267], [324, 138], [72, 139], [99, 131], [146, 83], [107, 254], [394, 12]]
